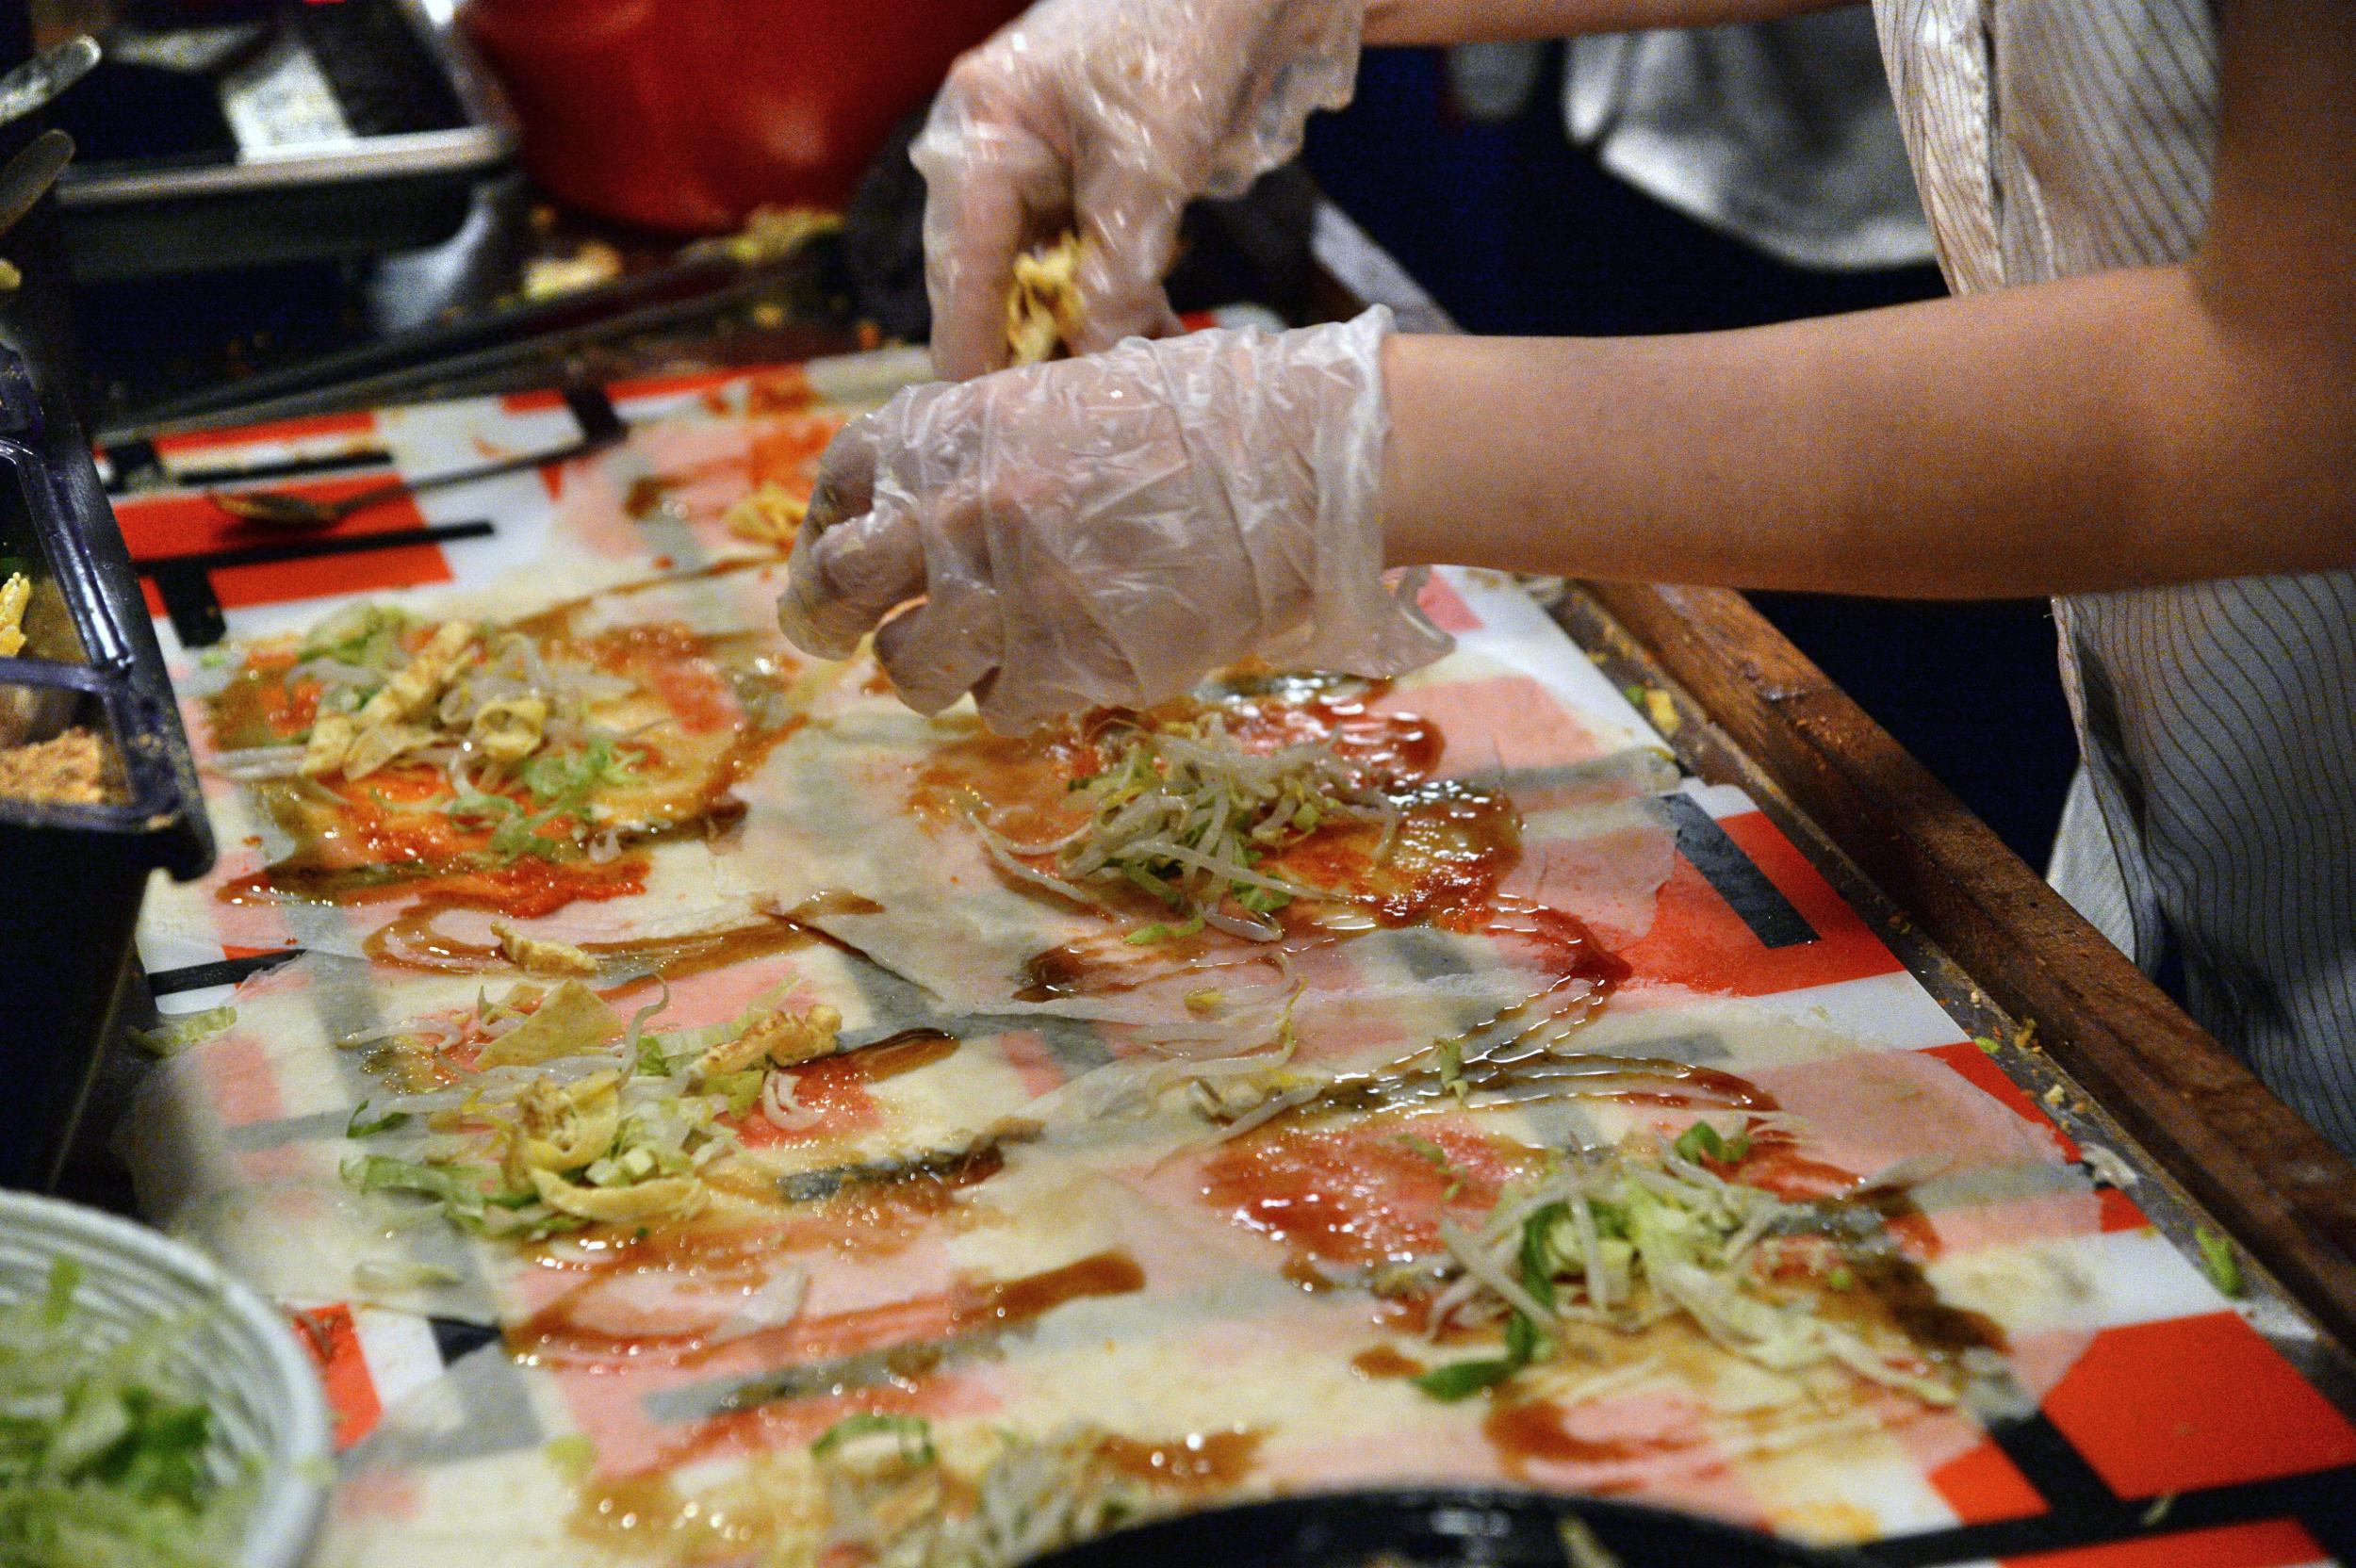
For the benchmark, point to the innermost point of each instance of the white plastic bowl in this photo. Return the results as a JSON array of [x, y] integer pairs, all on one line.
[[241, 1354]]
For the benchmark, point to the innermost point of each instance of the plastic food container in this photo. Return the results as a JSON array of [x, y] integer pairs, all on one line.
[[239, 1353], [71, 875], [687, 114]]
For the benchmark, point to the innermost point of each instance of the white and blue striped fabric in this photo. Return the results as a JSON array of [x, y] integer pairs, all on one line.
[[2215, 819]]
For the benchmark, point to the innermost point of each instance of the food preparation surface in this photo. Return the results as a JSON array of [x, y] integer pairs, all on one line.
[[1029, 1205]]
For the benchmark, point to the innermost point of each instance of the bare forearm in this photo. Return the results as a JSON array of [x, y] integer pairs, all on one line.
[[2103, 433], [1393, 21]]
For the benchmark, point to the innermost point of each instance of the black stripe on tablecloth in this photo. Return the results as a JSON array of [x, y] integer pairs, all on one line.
[[2048, 1463], [184, 581], [1736, 876], [454, 1336]]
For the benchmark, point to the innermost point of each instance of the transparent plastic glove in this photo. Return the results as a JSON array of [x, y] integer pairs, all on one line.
[[1108, 117], [1106, 530]]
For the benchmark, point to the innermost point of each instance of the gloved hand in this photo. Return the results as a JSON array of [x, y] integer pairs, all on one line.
[[1106, 530], [1109, 116]]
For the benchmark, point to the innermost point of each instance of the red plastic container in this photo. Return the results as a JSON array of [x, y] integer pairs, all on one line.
[[687, 114]]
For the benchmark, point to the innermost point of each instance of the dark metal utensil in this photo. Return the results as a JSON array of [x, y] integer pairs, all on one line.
[[38, 80], [30, 173], [282, 509]]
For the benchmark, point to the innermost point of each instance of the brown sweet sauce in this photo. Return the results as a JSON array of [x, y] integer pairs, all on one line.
[[1537, 1432], [1539, 1074], [1006, 1302], [1018, 784], [832, 903], [645, 497], [1892, 1286], [681, 957], [592, 1321], [1382, 1363], [632, 1517], [1453, 846], [905, 1051], [1195, 1461], [1064, 970], [1285, 711], [527, 888], [414, 941], [571, 1328]]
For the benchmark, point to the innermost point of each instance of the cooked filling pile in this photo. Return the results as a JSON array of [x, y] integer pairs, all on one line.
[[1640, 1234], [75, 767], [103, 1449], [1186, 815], [553, 1112], [768, 514], [392, 690], [515, 730], [1044, 312], [16, 592]]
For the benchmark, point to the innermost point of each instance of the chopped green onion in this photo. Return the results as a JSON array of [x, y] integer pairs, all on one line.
[[574, 1455], [1464, 1378], [356, 1128], [913, 1433], [1450, 1052], [1162, 931], [1538, 1252], [1703, 1144], [2219, 1262]]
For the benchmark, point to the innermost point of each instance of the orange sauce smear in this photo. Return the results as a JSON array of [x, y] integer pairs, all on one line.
[[1352, 1196]]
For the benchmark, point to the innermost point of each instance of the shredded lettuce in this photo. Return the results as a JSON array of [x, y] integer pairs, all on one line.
[[1622, 1239], [913, 1434], [105, 1454], [456, 1187], [1186, 815], [175, 1034], [563, 781], [364, 634]]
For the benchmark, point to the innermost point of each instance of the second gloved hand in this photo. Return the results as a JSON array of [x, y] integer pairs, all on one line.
[[1106, 530], [1107, 117]]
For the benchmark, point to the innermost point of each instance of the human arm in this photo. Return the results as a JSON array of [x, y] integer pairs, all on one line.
[[2104, 432]]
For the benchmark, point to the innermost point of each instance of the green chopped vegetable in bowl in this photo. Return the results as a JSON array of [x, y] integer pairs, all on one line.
[[153, 1414]]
